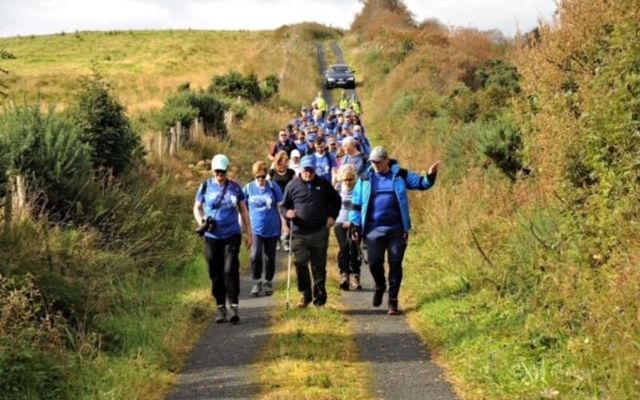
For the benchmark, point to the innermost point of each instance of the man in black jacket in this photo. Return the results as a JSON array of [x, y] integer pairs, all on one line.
[[312, 205]]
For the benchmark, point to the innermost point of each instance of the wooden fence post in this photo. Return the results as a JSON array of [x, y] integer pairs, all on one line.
[[178, 135], [172, 144], [8, 203]]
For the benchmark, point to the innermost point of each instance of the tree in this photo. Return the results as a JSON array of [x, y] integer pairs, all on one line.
[[104, 126]]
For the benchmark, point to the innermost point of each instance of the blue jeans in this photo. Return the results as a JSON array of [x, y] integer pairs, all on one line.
[[394, 244]]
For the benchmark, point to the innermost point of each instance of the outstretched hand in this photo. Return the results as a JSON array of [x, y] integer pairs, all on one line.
[[434, 168]]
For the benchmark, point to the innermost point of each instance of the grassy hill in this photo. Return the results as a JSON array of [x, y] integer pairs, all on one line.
[[146, 66]]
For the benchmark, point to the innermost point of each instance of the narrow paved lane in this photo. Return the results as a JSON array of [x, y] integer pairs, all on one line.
[[401, 363], [220, 364]]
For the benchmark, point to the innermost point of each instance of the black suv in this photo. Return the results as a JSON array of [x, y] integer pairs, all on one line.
[[339, 75]]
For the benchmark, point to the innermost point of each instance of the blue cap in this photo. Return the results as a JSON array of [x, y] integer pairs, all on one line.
[[308, 161]]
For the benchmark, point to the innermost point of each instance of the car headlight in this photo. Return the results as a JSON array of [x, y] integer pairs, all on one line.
[[351, 78], [331, 79]]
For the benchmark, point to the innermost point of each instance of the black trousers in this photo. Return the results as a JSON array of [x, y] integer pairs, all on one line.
[[349, 254], [224, 268], [263, 257], [310, 250]]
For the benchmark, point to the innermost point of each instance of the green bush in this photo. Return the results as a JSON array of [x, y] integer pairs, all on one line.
[[186, 105], [271, 86], [50, 152], [234, 84], [501, 141], [104, 126]]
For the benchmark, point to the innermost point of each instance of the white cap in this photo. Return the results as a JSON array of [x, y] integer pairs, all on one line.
[[295, 153], [220, 162]]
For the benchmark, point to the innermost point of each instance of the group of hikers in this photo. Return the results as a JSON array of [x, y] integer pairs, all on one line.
[[323, 175]]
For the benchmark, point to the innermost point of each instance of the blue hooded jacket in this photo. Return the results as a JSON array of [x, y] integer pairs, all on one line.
[[403, 181]]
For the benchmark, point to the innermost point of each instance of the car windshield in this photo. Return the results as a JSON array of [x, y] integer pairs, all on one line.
[[340, 70]]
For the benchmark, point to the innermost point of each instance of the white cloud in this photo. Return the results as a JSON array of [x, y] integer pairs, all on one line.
[[26, 17]]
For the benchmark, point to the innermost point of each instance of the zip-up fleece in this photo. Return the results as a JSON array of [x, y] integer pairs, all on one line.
[[314, 202], [403, 181]]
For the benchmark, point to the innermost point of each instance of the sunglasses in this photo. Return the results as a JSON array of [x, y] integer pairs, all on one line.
[[309, 170], [220, 172], [349, 180], [261, 176]]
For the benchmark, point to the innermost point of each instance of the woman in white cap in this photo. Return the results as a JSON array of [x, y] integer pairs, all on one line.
[[294, 163], [218, 201]]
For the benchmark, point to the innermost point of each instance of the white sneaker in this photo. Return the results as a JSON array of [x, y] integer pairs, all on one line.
[[256, 289]]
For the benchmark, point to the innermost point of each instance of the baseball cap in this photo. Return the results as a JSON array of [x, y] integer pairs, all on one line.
[[295, 153], [220, 162], [378, 154], [308, 161]]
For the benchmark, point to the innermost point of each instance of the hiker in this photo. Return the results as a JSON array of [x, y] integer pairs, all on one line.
[[311, 204], [325, 163], [282, 175], [218, 201], [343, 102], [380, 215], [353, 156], [349, 253], [282, 144], [355, 105], [301, 143], [294, 162], [262, 197], [320, 103]]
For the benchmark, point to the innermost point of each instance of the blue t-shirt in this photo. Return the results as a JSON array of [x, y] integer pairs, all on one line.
[[384, 212], [226, 215], [324, 163], [263, 208], [303, 147]]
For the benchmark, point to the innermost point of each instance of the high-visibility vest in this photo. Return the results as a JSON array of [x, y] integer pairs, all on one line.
[[322, 104], [344, 103]]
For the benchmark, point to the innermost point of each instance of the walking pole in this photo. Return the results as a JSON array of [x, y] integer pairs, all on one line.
[[289, 266]]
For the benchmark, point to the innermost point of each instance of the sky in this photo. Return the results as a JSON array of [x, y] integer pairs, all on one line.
[[35, 17]]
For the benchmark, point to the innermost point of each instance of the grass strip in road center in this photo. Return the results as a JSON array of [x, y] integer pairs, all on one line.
[[312, 353]]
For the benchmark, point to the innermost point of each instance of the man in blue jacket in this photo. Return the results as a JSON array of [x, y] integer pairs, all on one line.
[[380, 213]]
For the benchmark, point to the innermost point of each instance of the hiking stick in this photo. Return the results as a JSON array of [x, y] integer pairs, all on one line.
[[289, 266]]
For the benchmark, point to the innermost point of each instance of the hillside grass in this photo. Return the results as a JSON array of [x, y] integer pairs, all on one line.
[[145, 67]]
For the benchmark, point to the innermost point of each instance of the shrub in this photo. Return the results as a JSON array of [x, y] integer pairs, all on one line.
[[104, 126], [185, 106], [51, 153], [502, 143], [271, 86], [234, 84]]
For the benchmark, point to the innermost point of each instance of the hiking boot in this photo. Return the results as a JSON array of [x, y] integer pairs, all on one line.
[[234, 318], [268, 288], [354, 282], [256, 289], [303, 302], [393, 307], [344, 281], [321, 297], [221, 315], [378, 294]]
